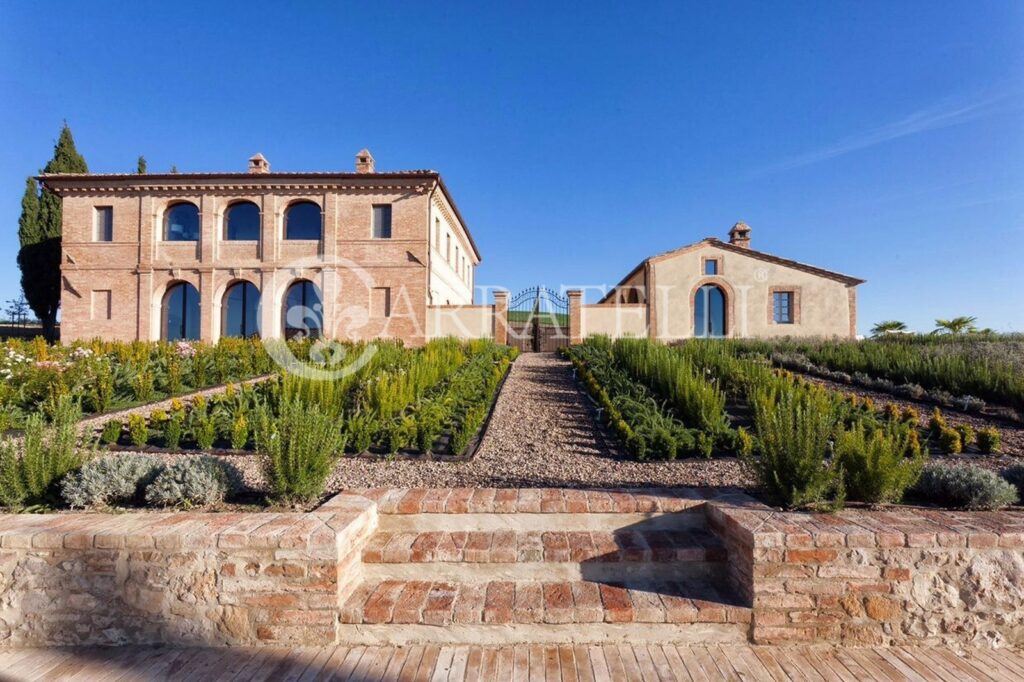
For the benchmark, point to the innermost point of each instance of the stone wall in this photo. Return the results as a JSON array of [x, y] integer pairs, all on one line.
[[180, 578], [907, 576]]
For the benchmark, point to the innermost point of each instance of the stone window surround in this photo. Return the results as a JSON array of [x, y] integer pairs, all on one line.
[[719, 267], [795, 290]]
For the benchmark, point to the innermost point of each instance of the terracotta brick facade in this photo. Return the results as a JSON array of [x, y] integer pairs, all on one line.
[[116, 289]]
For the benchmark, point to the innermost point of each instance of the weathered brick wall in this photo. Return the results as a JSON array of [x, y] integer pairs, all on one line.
[[862, 577], [195, 578]]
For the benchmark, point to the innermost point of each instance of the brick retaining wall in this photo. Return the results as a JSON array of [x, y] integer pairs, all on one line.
[[180, 578], [865, 577]]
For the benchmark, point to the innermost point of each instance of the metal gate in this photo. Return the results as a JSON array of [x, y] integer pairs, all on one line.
[[538, 320]]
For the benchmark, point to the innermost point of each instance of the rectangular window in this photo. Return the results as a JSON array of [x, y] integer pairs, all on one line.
[[448, 248], [102, 307], [380, 302], [103, 224], [437, 233], [382, 221], [711, 266], [782, 306]]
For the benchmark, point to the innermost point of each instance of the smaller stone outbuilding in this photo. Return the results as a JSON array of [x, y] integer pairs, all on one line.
[[725, 290]]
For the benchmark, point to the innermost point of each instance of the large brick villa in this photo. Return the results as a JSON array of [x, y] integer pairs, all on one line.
[[355, 255]]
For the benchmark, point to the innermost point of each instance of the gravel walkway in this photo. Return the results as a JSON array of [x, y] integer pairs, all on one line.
[[542, 434]]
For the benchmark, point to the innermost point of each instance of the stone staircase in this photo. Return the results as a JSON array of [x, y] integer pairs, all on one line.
[[472, 566]]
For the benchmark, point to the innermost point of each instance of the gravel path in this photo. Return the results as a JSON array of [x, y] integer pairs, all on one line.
[[542, 433]]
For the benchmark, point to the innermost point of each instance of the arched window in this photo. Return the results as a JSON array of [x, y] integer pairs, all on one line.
[[242, 222], [303, 311], [180, 313], [240, 310], [181, 223], [302, 220], [709, 312]]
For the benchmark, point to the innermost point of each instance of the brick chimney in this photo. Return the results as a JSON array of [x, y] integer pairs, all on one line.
[[364, 162], [739, 235], [259, 164]]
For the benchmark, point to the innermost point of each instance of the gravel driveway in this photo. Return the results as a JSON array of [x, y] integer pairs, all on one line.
[[542, 434]]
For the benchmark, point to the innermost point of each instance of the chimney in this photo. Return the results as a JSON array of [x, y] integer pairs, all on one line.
[[364, 162], [258, 164], [739, 235]]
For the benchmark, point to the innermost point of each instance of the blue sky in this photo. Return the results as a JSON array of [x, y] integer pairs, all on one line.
[[879, 139]]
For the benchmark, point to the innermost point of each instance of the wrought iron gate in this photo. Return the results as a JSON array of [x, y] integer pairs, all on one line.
[[538, 320]]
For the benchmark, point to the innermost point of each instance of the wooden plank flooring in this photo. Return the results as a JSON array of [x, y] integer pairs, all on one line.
[[647, 663]]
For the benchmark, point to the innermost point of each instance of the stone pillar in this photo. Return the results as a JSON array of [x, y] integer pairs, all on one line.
[[501, 317], [209, 320], [575, 316]]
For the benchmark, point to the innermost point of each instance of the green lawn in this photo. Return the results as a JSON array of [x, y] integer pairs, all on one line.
[[560, 319]]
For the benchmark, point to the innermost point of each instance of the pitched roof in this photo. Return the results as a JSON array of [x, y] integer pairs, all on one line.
[[759, 255], [55, 180]]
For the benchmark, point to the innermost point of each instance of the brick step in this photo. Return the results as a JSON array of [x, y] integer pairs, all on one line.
[[508, 546], [530, 611], [536, 500]]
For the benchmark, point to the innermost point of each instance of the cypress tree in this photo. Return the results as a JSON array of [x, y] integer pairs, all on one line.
[[28, 223], [141, 168], [40, 254]]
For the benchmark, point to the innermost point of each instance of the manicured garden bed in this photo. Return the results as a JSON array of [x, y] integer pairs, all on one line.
[[109, 376], [286, 432], [808, 445]]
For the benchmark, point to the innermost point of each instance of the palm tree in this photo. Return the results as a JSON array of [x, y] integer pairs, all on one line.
[[958, 325], [888, 327]]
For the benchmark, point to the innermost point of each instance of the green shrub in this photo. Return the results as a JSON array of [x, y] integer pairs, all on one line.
[[31, 468], [172, 429], [965, 487], [988, 440], [911, 415], [876, 468], [138, 430], [966, 432], [300, 451], [949, 441], [936, 423], [204, 431], [705, 444], [794, 427], [111, 432], [361, 429], [471, 423], [1015, 475], [189, 483], [110, 480], [745, 441], [239, 432]]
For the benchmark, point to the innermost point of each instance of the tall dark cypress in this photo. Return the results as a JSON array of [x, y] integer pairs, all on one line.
[[39, 232]]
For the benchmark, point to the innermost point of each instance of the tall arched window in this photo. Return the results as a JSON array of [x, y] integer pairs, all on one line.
[[242, 222], [709, 312], [302, 220], [240, 310], [180, 313], [303, 311], [181, 223]]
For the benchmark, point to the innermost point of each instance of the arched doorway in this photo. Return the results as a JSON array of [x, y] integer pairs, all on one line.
[[303, 311], [709, 317], [240, 310], [180, 313]]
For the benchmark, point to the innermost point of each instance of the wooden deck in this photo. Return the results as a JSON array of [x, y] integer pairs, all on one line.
[[649, 663]]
